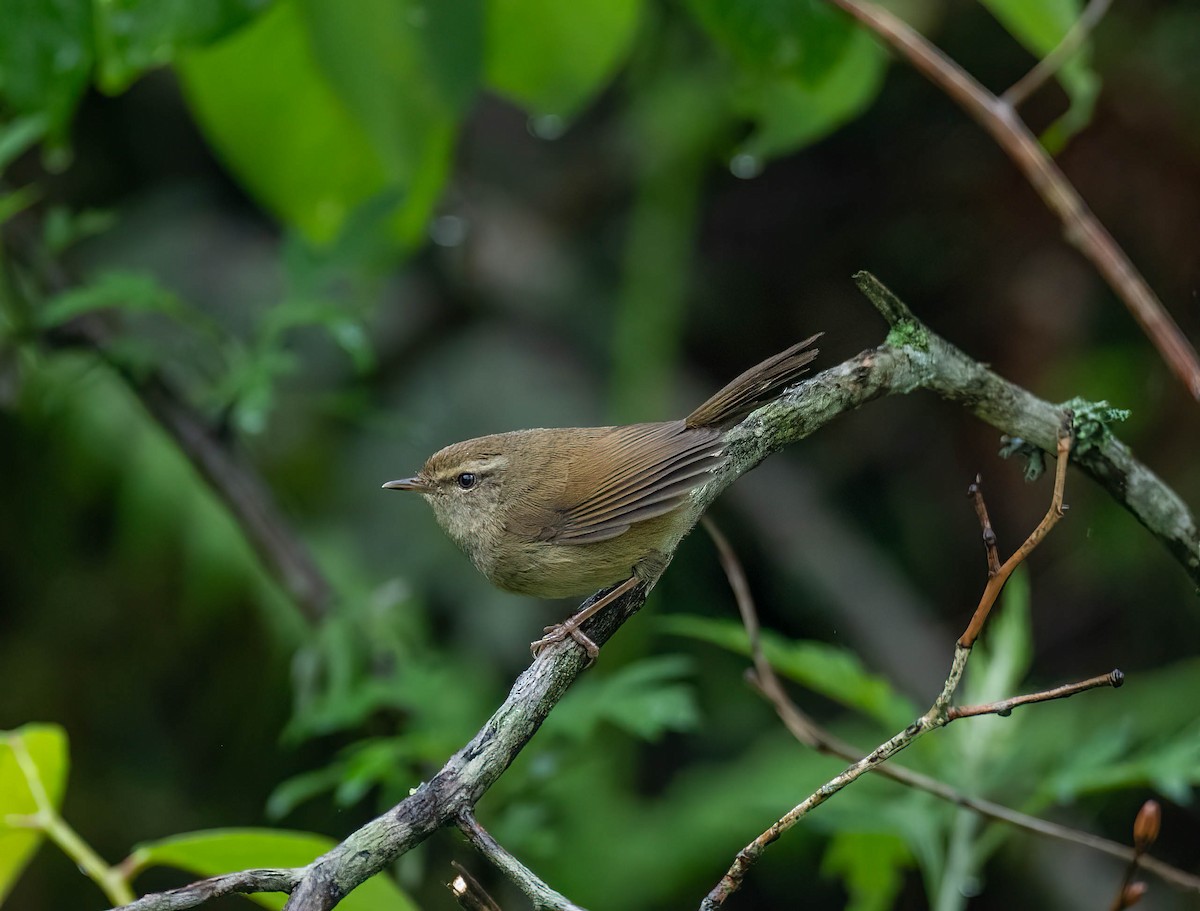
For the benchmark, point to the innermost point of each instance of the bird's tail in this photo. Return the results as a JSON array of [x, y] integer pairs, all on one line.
[[757, 386]]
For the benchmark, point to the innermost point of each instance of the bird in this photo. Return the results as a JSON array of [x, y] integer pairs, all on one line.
[[565, 511]]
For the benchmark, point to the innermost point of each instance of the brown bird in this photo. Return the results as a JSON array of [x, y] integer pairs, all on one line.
[[566, 511]]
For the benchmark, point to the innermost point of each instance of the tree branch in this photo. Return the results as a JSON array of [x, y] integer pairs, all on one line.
[[912, 358], [246, 882], [1083, 229], [1045, 68], [764, 679], [543, 897]]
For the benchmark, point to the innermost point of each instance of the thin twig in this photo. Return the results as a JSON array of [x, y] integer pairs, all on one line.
[[937, 715], [927, 361], [246, 882], [1083, 230], [808, 732], [975, 492], [1045, 68], [542, 896], [469, 893], [811, 734], [1114, 678], [996, 580]]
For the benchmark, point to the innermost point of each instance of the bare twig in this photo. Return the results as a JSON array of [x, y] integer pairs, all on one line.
[[939, 714], [1045, 68], [913, 359], [469, 893], [1114, 678], [997, 579], [195, 894], [808, 732], [542, 896], [1083, 229], [975, 492]]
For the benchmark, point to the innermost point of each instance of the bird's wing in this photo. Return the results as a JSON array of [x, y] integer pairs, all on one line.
[[649, 469]]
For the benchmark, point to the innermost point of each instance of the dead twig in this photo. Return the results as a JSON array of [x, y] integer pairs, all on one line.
[[939, 714], [469, 893], [1045, 68], [1082, 229], [542, 896], [975, 492], [1003, 707], [997, 579]]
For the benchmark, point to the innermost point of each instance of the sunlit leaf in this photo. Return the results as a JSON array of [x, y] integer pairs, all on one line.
[[266, 107], [217, 851], [40, 750], [552, 57], [406, 70]]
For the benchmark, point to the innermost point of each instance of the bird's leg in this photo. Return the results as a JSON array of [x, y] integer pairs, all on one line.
[[571, 626]]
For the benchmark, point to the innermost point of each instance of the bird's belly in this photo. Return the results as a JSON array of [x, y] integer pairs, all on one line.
[[553, 570]]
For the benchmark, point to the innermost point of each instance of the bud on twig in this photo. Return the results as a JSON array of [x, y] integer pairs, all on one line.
[[1132, 894], [1145, 827]]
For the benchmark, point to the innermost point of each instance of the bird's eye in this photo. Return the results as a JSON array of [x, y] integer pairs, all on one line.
[[466, 480]]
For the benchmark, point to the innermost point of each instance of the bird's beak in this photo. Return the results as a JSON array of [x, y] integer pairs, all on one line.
[[416, 484]]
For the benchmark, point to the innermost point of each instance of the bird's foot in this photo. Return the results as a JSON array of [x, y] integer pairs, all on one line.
[[559, 633]]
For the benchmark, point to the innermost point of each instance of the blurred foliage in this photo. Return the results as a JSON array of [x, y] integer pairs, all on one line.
[[345, 234], [33, 773], [222, 850]]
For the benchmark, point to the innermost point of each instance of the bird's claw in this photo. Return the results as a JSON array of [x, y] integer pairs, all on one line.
[[560, 632]]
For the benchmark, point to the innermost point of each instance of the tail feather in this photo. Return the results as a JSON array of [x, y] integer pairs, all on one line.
[[754, 388]]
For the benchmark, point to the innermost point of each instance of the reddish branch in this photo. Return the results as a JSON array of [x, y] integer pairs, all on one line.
[[1083, 229], [997, 579], [940, 714]]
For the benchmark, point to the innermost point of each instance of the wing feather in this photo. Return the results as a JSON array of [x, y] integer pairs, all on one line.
[[650, 468]]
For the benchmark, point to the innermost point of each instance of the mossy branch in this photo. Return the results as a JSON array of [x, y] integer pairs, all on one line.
[[913, 357]]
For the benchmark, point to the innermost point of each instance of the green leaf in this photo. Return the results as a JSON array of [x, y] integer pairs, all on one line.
[[871, 864], [19, 135], [269, 112], [1040, 25], [826, 669], [135, 35], [791, 112], [646, 699], [217, 851], [40, 750], [130, 291], [552, 57], [63, 227], [17, 202], [45, 58], [406, 70], [800, 39], [1171, 765]]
